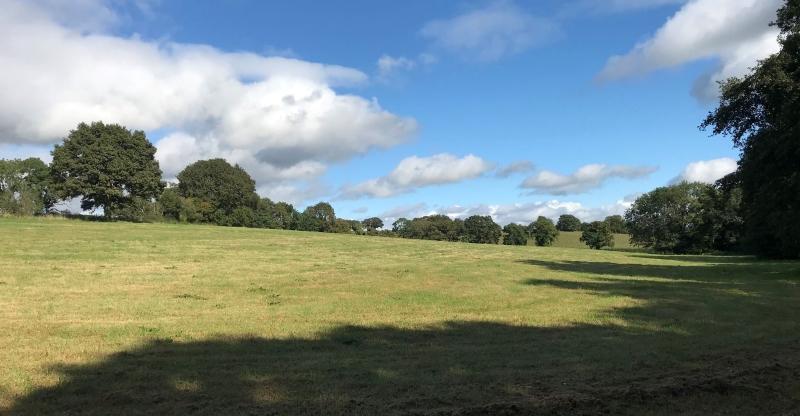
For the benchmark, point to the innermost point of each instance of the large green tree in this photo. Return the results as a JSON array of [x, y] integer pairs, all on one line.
[[568, 222], [372, 224], [107, 166], [319, 217], [759, 111], [515, 235], [217, 188], [24, 187], [543, 231], [685, 218], [482, 229]]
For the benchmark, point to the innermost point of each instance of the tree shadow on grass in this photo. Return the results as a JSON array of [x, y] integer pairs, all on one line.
[[460, 368], [685, 346]]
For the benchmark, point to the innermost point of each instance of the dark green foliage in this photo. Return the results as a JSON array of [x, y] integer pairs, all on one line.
[[568, 222], [598, 234], [686, 218], [107, 166], [217, 188], [616, 224], [241, 217], [543, 231], [343, 226], [482, 229], [319, 217], [400, 225], [171, 204], [432, 227], [24, 187], [372, 224], [284, 216], [759, 112], [515, 235]]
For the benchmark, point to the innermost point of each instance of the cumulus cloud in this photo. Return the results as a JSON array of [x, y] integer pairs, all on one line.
[[706, 171], [735, 32], [584, 179], [280, 118], [513, 168], [414, 172], [522, 213], [488, 34]]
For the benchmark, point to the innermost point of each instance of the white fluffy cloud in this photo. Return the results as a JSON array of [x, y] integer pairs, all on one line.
[[522, 213], [490, 33], [707, 171], [279, 118], [414, 172], [736, 32], [584, 179]]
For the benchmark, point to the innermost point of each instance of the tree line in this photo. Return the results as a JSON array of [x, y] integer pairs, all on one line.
[[114, 169]]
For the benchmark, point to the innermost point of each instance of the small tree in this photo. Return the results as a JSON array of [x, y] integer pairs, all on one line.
[[372, 224], [568, 222], [24, 187], [107, 166], [481, 229], [515, 235], [598, 235], [543, 231]]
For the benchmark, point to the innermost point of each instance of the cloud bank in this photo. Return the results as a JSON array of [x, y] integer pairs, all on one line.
[[279, 118], [584, 179], [415, 172], [735, 32], [706, 171]]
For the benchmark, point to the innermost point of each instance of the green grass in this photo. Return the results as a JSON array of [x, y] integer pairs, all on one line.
[[572, 239], [119, 318]]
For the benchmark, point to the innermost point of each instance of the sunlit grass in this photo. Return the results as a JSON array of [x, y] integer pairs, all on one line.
[[73, 293]]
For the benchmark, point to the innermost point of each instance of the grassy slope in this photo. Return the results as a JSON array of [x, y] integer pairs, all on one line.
[[133, 318], [572, 239]]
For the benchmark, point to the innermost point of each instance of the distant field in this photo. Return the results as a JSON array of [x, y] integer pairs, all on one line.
[[572, 239], [120, 319]]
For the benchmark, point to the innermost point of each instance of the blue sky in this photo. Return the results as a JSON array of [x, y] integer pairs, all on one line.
[[395, 108]]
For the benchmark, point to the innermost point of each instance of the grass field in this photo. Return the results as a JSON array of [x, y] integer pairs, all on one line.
[[119, 318], [572, 239]]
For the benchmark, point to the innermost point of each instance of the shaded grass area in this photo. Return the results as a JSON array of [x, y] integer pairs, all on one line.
[[113, 318]]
